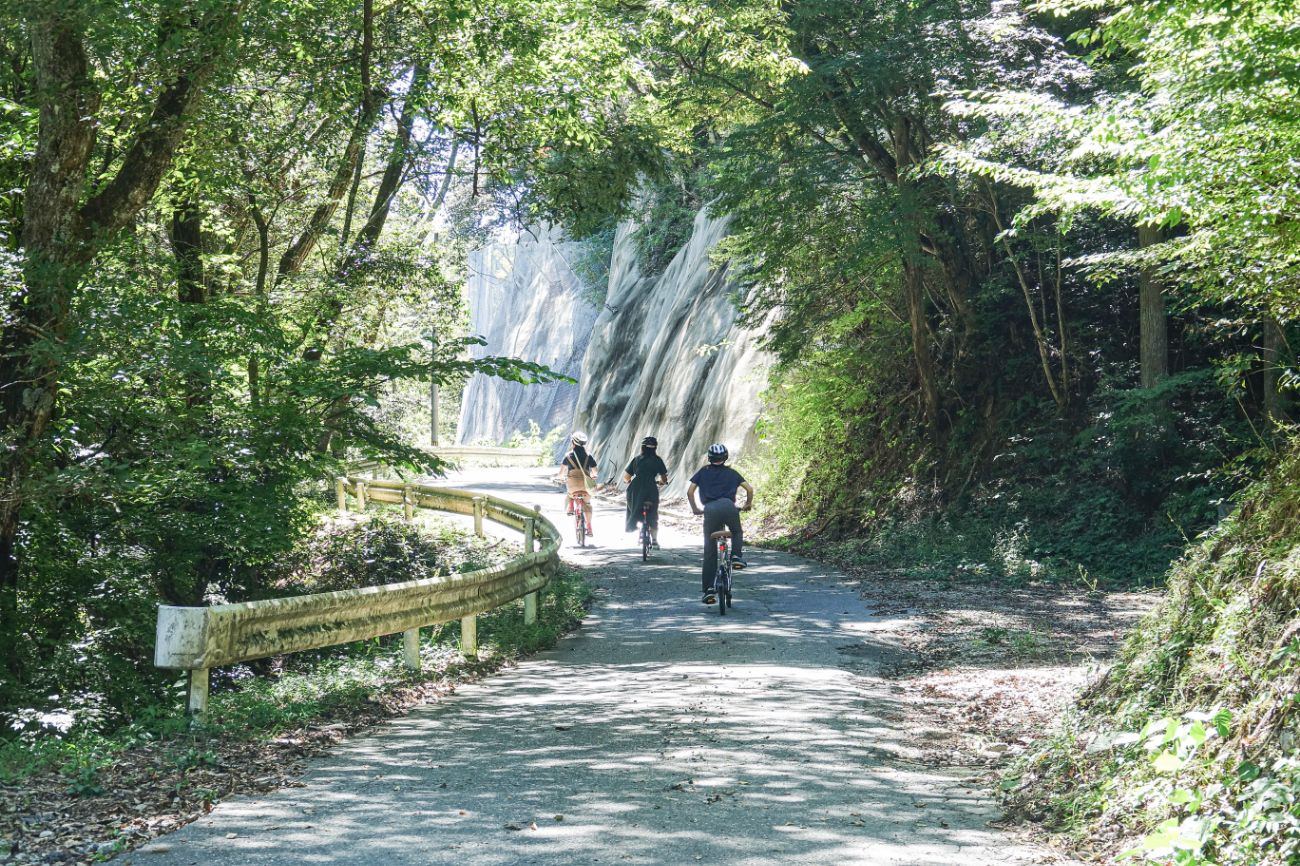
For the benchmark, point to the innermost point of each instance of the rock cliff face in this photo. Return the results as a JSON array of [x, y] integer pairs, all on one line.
[[525, 299], [667, 358]]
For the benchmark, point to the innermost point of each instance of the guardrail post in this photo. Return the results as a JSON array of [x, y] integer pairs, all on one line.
[[478, 516], [530, 600], [196, 702], [341, 493], [408, 507], [469, 636], [361, 495], [411, 648]]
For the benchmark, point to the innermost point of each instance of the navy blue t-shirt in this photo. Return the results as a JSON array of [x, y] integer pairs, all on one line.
[[717, 482]]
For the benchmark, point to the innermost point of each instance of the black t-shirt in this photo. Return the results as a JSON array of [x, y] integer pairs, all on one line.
[[644, 469], [717, 482], [648, 466]]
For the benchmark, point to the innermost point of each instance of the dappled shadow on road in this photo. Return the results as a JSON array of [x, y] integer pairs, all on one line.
[[733, 763], [730, 740], [664, 734]]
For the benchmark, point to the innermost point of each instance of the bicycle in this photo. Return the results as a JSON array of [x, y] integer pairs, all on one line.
[[646, 540], [722, 581], [577, 502]]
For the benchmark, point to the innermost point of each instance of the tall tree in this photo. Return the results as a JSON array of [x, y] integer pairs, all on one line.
[[69, 218]]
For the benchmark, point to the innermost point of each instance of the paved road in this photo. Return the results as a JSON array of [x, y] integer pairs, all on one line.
[[659, 733]]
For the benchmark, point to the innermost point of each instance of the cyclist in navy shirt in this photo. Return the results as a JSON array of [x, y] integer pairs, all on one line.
[[717, 485]]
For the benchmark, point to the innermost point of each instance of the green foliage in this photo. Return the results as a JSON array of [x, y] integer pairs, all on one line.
[[275, 296], [666, 217], [1223, 637], [294, 690]]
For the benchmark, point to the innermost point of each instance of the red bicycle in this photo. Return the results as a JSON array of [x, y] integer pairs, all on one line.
[[576, 505]]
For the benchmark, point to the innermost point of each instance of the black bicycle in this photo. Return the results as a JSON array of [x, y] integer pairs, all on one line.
[[646, 540], [722, 581]]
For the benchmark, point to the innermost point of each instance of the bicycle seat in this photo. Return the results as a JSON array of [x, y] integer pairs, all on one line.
[[578, 494], [721, 533]]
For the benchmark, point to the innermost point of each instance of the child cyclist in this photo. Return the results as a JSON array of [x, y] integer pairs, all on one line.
[[577, 467], [717, 484]]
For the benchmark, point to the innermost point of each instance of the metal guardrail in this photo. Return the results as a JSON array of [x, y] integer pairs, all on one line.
[[196, 639], [468, 454]]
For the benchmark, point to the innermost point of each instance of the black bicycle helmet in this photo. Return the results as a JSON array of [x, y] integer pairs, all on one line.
[[718, 453], [649, 442]]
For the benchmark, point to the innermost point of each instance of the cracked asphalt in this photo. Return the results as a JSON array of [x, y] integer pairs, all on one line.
[[658, 733]]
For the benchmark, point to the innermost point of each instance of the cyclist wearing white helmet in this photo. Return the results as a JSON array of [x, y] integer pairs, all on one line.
[[576, 469], [717, 483]]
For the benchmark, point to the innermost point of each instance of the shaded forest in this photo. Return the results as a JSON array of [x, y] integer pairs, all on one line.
[[1032, 268]]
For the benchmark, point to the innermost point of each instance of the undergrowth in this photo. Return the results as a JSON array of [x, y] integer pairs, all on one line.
[[1186, 751], [263, 699]]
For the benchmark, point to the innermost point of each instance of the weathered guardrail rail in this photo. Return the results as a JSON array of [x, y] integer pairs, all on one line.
[[196, 639], [482, 455]]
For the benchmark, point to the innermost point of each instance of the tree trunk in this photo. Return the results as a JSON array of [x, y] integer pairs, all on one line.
[[389, 185], [372, 100], [37, 314], [914, 292], [1274, 340], [1152, 320], [187, 247]]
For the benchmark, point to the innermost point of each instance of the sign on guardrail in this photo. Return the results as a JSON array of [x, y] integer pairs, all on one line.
[[197, 639]]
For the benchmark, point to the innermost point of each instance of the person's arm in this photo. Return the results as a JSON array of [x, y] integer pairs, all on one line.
[[559, 476], [749, 495], [593, 468], [690, 494]]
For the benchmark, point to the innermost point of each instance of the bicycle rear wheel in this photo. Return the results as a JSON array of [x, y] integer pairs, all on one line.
[[581, 529]]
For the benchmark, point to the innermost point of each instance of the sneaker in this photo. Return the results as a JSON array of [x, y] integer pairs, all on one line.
[[654, 545], [737, 564], [590, 532], [710, 597]]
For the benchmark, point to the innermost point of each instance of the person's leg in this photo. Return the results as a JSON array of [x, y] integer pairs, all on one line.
[[737, 534], [712, 523], [652, 518]]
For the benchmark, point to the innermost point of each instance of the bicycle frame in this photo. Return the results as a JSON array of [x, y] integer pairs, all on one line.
[[646, 540], [722, 580], [577, 502]]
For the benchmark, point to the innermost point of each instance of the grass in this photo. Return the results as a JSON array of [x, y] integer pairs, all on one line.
[[1186, 752], [299, 690]]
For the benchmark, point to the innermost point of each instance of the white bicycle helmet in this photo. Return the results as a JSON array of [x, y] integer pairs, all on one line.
[[718, 453], [578, 438]]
